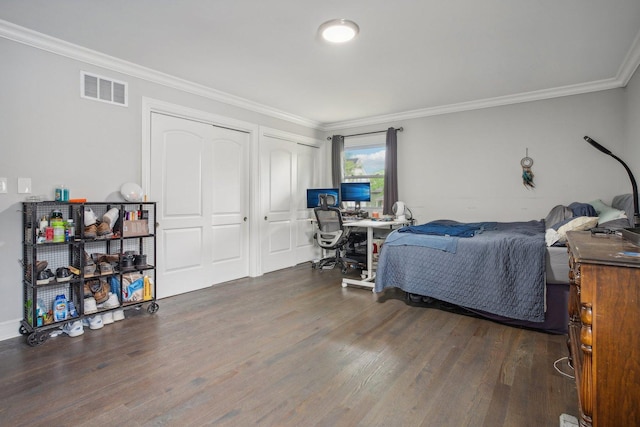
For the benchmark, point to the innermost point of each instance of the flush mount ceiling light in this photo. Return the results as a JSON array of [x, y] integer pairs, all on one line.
[[338, 30]]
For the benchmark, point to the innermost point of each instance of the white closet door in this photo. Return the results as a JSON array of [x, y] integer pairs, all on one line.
[[229, 205], [286, 171], [307, 176], [202, 201]]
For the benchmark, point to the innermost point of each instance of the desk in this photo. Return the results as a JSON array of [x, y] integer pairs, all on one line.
[[369, 224]]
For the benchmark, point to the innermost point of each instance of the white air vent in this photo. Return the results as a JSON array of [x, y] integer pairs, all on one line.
[[103, 89]]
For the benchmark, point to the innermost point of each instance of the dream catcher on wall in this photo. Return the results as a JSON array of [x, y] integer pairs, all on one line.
[[527, 174]]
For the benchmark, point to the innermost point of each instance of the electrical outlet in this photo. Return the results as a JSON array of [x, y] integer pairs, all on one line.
[[24, 185], [3, 185]]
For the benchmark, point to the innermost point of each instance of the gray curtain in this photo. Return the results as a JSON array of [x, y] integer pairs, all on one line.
[[390, 172], [337, 148]]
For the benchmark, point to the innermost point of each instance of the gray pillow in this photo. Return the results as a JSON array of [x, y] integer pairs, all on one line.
[[624, 202], [558, 214]]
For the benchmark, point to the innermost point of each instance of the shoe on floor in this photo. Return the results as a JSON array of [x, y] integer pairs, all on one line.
[[73, 329], [118, 315], [95, 322], [107, 318]]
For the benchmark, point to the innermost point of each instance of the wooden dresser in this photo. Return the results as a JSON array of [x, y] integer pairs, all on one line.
[[604, 328]]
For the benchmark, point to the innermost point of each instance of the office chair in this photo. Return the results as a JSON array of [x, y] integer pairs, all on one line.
[[331, 234]]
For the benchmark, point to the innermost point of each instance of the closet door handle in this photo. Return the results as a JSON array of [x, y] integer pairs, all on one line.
[[265, 217], [244, 219]]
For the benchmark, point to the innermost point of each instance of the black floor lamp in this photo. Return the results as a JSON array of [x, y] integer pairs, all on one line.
[[634, 186]]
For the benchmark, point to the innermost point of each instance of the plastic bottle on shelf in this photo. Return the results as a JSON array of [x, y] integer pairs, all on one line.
[[58, 231], [60, 308], [62, 193], [43, 224], [70, 230]]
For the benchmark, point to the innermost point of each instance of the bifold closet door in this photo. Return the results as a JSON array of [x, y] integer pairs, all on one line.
[[287, 169], [199, 179]]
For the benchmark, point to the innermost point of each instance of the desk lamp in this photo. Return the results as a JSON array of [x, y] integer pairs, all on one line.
[[634, 186]]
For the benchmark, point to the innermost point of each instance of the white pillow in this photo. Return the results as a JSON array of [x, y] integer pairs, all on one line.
[[606, 212], [580, 223], [551, 236]]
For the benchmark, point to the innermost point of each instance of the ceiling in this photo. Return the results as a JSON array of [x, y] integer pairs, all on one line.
[[412, 57]]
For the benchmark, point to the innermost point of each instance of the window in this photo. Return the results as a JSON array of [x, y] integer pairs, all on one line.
[[364, 162]]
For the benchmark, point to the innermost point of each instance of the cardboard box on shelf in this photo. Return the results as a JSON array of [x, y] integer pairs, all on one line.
[[135, 228]]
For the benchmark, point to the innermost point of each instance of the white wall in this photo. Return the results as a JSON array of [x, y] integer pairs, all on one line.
[[466, 166], [51, 135], [631, 152]]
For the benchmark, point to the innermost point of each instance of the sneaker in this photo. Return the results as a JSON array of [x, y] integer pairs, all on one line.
[[95, 322], [90, 306], [89, 217], [118, 315], [85, 322], [41, 265], [105, 268], [110, 217], [89, 270], [63, 274], [73, 329], [140, 261], [112, 302], [44, 277], [107, 318]]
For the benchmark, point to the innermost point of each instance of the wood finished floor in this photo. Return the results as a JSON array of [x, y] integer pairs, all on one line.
[[290, 348]]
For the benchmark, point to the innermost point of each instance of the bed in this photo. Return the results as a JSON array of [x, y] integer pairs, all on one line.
[[512, 272]]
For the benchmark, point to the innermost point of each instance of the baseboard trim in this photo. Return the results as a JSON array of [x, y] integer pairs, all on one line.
[[9, 329]]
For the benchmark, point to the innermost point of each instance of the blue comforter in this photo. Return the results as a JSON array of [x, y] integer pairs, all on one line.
[[499, 271]]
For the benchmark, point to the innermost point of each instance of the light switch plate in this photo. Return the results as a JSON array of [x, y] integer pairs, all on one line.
[[3, 185], [24, 185]]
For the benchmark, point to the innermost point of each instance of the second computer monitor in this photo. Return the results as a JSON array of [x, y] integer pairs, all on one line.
[[315, 196], [355, 192]]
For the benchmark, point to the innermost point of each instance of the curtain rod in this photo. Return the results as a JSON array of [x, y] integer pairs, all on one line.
[[400, 129]]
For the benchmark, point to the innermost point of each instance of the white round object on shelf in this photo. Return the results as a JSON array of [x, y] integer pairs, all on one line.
[[131, 192]]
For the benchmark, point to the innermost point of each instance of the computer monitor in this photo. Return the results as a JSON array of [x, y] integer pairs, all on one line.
[[314, 197], [355, 192]]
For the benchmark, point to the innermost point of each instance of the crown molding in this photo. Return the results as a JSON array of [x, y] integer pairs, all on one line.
[[625, 73], [56, 46], [630, 63], [479, 104]]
